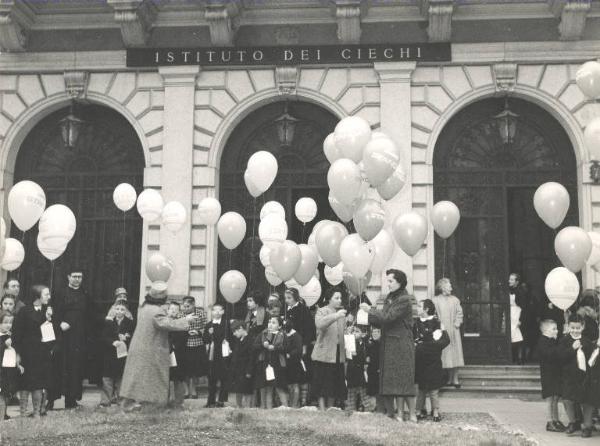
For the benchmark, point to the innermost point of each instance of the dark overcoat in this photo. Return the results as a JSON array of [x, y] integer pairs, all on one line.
[[113, 366], [428, 355], [397, 357], [572, 377], [550, 366]]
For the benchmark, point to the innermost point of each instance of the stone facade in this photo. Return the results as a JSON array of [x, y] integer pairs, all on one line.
[[184, 115]]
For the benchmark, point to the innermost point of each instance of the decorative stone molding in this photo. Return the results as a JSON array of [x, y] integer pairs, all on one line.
[[135, 18], [573, 15], [15, 20], [286, 79], [505, 77], [439, 14], [76, 83], [394, 71], [180, 76], [347, 14], [222, 18]]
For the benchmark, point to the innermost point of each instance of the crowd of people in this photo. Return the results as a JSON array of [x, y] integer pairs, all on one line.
[[389, 356]]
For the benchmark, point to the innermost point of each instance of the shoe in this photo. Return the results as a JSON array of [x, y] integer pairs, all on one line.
[[50, 405], [209, 405], [551, 427], [457, 385], [586, 432], [186, 397], [219, 404], [572, 428], [6, 417], [422, 415], [437, 418], [104, 405], [560, 426]]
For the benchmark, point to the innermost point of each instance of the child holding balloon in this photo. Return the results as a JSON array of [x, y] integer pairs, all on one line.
[[270, 372]]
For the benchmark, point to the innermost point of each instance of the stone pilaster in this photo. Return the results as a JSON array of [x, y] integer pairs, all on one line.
[[395, 109], [177, 166]]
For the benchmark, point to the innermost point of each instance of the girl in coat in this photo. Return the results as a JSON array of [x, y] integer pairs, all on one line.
[[270, 371], [116, 336], [35, 356], [295, 366], [430, 341], [8, 375], [240, 376], [194, 362], [450, 313]]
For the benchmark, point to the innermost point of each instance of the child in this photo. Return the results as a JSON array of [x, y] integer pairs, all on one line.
[[372, 361], [240, 377], [116, 336], [430, 340], [8, 375], [355, 373], [295, 366], [177, 341], [270, 366], [547, 350], [193, 360], [573, 350], [8, 303], [217, 346]]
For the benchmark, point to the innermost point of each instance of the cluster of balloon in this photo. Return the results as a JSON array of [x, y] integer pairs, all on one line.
[[151, 206]]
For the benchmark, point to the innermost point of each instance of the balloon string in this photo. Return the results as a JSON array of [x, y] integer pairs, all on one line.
[[51, 275], [230, 251], [303, 229], [252, 244], [444, 262], [21, 266], [123, 253]]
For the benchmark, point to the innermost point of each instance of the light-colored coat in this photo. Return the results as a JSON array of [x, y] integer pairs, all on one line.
[[146, 375], [397, 354], [451, 316], [330, 334]]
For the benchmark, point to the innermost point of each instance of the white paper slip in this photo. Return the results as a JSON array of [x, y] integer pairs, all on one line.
[[225, 350], [270, 373], [303, 365], [350, 343], [366, 377], [10, 357], [121, 350], [173, 360], [47, 330], [362, 317]]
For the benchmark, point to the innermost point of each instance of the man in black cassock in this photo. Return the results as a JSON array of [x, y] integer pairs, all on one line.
[[71, 313]]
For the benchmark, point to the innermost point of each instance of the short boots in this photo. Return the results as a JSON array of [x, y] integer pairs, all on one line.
[[586, 432], [555, 426], [572, 428]]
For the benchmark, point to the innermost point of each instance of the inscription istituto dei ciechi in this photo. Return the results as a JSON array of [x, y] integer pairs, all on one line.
[[289, 55]]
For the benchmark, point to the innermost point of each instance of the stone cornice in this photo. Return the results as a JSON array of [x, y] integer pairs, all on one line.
[[348, 14], [223, 22], [135, 17], [439, 14], [15, 21], [394, 72], [573, 15], [179, 76]]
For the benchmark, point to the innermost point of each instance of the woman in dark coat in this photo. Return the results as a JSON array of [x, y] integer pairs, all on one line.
[[397, 359], [36, 357]]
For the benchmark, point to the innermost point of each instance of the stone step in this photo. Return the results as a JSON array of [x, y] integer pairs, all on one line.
[[499, 381], [474, 391]]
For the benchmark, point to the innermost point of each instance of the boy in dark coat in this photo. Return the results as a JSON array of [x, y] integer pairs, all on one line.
[[116, 336], [242, 364], [270, 370], [430, 340], [216, 340], [550, 368], [573, 352], [372, 361]]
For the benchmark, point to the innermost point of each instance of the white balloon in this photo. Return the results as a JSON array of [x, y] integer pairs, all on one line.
[[351, 136], [383, 245], [174, 216], [26, 203], [14, 253], [306, 209], [272, 207], [263, 255], [57, 226], [332, 153], [591, 136], [124, 196], [262, 169], [334, 275], [311, 292], [51, 253], [588, 79], [272, 230], [272, 276], [292, 283], [562, 287], [313, 245], [150, 204], [231, 228], [209, 211], [356, 255]]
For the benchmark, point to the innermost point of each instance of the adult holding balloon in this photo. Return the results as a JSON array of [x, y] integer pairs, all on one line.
[[397, 351]]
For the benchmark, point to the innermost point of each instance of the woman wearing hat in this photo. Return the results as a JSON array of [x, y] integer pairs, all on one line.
[[146, 375]]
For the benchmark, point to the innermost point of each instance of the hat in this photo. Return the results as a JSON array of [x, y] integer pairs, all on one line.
[[158, 290], [120, 291]]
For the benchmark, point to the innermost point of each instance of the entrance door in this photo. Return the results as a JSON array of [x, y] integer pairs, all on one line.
[[83, 178], [294, 133], [492, 179]]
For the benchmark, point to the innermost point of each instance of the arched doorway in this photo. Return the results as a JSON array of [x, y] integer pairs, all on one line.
[[294, 133], [489, 160], [106, 153]]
